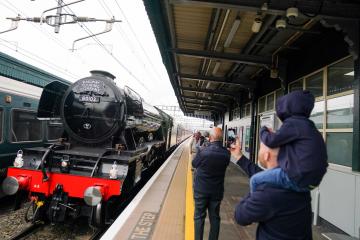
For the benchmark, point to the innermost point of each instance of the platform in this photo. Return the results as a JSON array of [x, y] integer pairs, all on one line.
[[164, 208]]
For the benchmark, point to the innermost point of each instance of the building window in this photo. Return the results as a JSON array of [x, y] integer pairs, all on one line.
[[1, 124], [297, 85], [339, 148], [54, 130], [262, 105], [314, 84], [270, 102], [340, 112], [341, 76], [278, 94], [243, 111], [333, 113], [248, 110], [25, 127], [317, 115]]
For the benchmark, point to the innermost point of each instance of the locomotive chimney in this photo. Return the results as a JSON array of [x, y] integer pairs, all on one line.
[[102, 74]]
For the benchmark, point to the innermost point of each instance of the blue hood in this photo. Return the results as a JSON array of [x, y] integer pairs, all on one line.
[[296, 103]]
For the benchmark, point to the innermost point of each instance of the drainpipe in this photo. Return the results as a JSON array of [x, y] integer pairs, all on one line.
[[316, 207], [253, 130]]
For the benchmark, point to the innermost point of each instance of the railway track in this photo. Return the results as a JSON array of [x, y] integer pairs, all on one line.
[[13, 225], [42, 230], [27, 231]]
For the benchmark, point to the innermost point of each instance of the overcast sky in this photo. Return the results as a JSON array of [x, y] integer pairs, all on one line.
[[40, 46]]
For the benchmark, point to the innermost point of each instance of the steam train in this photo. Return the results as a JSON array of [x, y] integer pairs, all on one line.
[[111, 137]]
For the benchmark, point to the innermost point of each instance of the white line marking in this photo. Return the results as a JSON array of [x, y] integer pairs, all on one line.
[[126, 213]]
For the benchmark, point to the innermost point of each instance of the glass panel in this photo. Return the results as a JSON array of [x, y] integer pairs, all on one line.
[[25, 127], [298, 85], [339, 148], [1, 124], [278, 94], [262, 105], [270, 102], [248, 110], [317, 115], [314, 84], [341, 76], [54, 130], [247, 139], [243, 111], [340, 112]]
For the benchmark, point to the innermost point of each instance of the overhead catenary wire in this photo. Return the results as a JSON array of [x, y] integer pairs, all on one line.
[[128, 41], [137, 40], [38, 59], [16, 10], [95, 38]]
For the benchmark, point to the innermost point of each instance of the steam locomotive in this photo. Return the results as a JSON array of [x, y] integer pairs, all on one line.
[[111, 137]]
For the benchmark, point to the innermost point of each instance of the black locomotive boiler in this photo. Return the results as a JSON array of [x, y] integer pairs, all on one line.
[[111, 136]]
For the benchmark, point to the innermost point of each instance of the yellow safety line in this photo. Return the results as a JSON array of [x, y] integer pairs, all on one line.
[[189, 217]]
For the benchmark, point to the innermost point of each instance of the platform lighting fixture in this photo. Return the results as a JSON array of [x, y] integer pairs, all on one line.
[[280, 24], [265, 6], [216, 67], [349, 73], [292, 12], [256, 26], [232, 32]]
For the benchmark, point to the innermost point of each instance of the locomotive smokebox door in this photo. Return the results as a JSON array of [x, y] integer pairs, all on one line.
[[93, 108]]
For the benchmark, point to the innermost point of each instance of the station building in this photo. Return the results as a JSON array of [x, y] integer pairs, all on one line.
[[232, 60]]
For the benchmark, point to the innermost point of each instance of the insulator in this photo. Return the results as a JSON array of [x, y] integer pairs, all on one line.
[[36, 19], [82, 19]]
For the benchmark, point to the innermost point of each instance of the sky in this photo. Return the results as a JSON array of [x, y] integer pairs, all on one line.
[[129, 51]]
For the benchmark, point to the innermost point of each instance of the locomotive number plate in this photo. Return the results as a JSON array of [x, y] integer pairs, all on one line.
[[91, 99]]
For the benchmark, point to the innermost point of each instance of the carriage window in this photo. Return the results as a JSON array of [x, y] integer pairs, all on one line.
[[25, 127], [54, 130], [1, 124]]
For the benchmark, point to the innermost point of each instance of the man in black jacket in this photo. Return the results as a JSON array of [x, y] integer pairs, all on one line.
[[282, 214], [210, 163]]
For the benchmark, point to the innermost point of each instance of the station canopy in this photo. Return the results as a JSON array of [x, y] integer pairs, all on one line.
[[215, 51]]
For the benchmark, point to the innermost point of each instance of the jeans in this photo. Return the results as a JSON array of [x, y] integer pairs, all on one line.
[[276, 177], [211, 203]]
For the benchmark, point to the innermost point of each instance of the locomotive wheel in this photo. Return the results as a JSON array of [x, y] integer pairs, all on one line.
[[97, 216]]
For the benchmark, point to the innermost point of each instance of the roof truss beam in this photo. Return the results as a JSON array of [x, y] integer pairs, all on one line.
[[329, 9], [225, 104], [204, 109], [223, 93], [221, 56], [191, 77], [204, 104]]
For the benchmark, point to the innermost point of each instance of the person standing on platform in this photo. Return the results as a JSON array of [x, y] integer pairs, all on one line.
[[282, 214], [210, 163], [195, 142]]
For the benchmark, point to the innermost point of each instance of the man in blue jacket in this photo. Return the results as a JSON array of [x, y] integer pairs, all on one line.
[[282, 214], [210, 163]]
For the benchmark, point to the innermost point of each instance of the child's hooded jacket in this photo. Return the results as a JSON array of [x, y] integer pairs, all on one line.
[[302, 152]]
